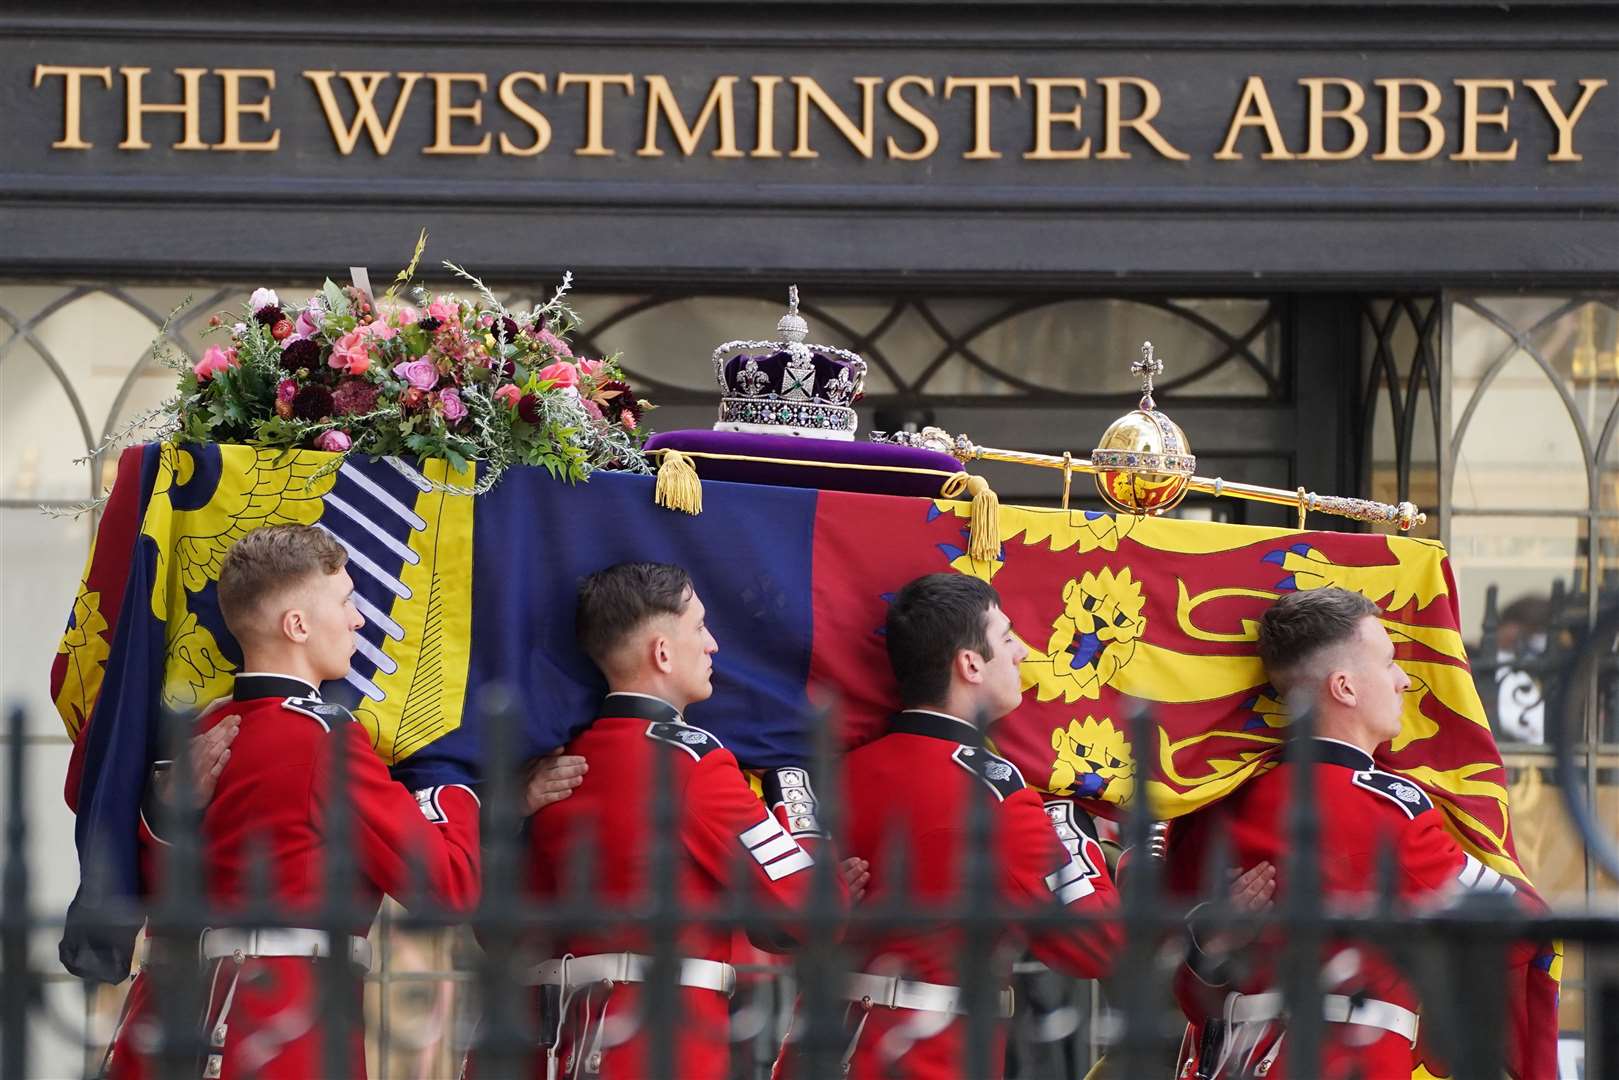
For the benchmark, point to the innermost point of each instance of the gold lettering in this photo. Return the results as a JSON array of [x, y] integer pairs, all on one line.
[[1394, 115], [1044, 118], [862, 138], [1472, 120], [912, 116], [72, 98], [234, 108], [524, 112], [135, 109], [660, 99], [1354, 99], [1253, 110], [363, 85], [764, 138], [445, 112], [1151, 102], [982, 87], [593, 107], [1564, 122]]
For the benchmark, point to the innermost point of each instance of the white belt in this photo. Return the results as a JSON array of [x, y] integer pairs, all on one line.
[[626, 967], [242, 944], [1335, 1009], [896, 993]]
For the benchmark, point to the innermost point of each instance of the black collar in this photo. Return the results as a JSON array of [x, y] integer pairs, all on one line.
[[1333, 752], [639, 707], [935, 726], [257, 685]]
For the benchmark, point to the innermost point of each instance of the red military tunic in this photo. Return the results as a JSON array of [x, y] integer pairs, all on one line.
[[1362, 810], [271, 802], [911, 787], [721, 830]]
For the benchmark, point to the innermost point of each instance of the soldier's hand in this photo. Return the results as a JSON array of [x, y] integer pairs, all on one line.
[[857, 875], [1255, 888], [208, 753], [552, 778]]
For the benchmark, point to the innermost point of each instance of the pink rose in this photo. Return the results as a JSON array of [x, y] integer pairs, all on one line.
[[454, 408], [352, 353], [214, 360], [334, 441], [308, 322], [592, 368], [509, 395], [404, 316], [381, 331], [557, 345], [560, 374], [444, 309], [422, 374]]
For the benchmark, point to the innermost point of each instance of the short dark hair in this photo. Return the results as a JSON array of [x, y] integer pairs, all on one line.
[[930, 621], [270, 559], [617, 601], [1297, 627]]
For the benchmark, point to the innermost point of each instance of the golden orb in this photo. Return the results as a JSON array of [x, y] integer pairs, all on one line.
[[1143, 461]]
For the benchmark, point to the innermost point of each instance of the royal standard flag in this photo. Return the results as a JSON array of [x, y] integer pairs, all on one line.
[[461, 594]]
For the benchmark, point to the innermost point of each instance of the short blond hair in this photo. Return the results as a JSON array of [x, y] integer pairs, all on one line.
[[267, 561]]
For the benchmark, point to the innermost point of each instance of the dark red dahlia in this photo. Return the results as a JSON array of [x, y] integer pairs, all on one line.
[[429, 323], [269, 314], [312, 402], [528, 408], [509, 326], [303, 353], [354, 396]]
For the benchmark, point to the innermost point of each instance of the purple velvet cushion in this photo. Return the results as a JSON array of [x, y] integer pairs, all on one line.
[[793, 448]]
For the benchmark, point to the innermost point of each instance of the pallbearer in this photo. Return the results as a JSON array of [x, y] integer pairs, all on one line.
[[287, 598], [642, 623], [956, 659], [1329, 646]]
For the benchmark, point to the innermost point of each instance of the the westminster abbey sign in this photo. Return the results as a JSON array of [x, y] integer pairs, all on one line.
[[1082, 143]]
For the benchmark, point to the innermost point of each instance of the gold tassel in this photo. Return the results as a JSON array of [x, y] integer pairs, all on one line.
[[984, 525], [678, 486]]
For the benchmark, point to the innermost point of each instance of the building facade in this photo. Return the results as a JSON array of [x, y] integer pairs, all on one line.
[[1376, 244]]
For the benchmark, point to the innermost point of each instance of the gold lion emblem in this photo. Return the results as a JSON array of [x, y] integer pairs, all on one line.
[[1093, 761], [1091, 640]]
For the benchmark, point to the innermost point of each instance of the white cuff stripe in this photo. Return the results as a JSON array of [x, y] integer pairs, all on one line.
[[774, 848], [1075, 890], [1068, 873], [761, 832], [792, 864]]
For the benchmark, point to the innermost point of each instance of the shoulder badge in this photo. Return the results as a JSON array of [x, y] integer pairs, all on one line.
[[694, 740], [1001, 775], [1396, 789], [327, 714]]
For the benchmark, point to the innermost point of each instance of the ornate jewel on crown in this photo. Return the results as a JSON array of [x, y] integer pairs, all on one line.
[[791, 388]]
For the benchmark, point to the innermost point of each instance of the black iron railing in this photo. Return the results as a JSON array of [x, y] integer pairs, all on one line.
[[1453, 956]]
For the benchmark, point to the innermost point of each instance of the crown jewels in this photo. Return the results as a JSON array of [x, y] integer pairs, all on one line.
[[792, 388]]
